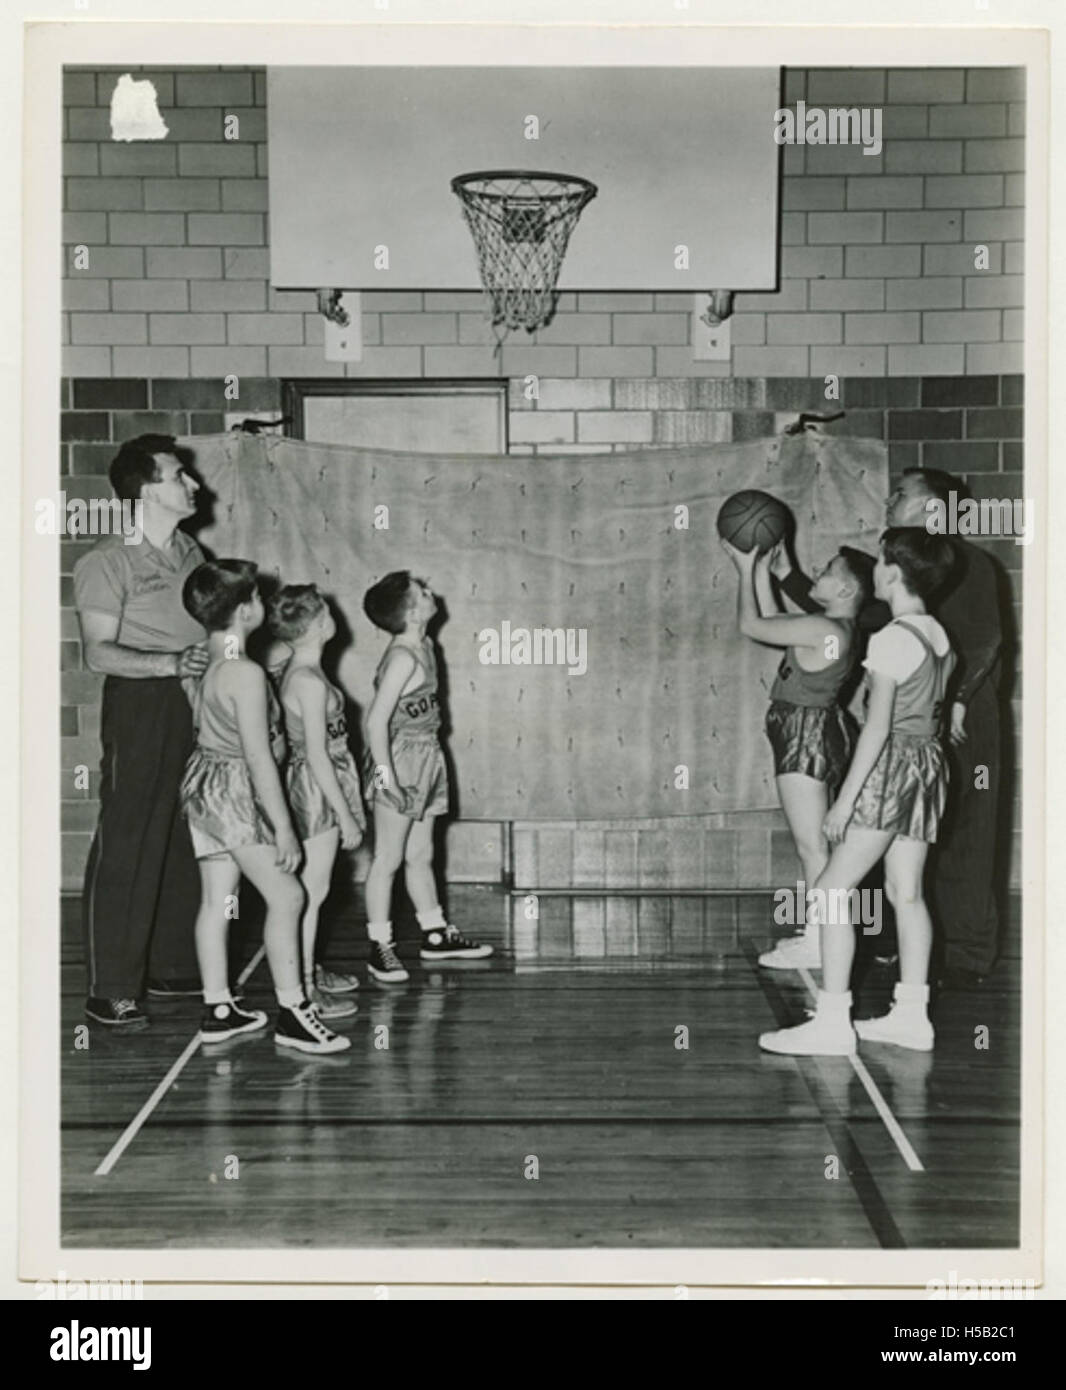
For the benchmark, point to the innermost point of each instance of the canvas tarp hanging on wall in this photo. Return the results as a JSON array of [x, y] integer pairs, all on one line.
[[645, 671]]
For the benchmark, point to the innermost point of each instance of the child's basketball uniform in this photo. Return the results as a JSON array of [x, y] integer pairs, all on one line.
[[414, 744], [907, 786], [217, 793], [808, 730], [311, 812]]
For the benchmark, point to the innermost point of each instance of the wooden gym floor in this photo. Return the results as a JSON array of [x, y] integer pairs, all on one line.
[[557, 1050]]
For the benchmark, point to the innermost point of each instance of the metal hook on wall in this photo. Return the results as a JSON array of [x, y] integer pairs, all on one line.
[[810, 422], [331, 309]]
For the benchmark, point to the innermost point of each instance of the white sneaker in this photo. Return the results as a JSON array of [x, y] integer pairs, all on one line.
[[331, 1005], [821, 1037], [794, 953], [301, 1027], [895, 1027], [335, 981]]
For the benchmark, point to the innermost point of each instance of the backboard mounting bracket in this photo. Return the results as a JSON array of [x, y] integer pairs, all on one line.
[[709, 344], [344, 342]]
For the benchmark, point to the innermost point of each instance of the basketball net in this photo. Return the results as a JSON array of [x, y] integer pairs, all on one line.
[[521, 223]]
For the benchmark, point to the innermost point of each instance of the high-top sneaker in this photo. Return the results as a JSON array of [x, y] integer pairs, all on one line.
[[300, 1027], [384, 964], [447, 943], [906, 1024], [221, 1021], [828, 1034], [793, 953]]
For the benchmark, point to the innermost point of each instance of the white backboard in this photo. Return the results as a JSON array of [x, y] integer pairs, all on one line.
[[362, 158]]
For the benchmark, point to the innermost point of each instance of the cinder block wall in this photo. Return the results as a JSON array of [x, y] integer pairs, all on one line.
[[877, 285]]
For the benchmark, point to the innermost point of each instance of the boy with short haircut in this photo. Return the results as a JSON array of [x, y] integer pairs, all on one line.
[[406, 777], [233, 800], [812, 736], [321, 779], [889, 805]]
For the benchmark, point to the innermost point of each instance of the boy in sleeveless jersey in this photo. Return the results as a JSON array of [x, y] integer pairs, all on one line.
[[889, 806], [812, 736], [321, 779], [406, 777], [233, 800]]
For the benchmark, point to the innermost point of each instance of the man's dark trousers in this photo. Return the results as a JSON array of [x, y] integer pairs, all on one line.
[[142, 886], [963, 874]]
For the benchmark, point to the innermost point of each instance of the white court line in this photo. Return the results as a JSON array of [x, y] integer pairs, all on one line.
[[251, 966], [895, 1129], [133, 1128]]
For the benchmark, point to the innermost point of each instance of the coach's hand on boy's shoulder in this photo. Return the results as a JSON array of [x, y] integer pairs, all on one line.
[[193, 661], [835, 825]]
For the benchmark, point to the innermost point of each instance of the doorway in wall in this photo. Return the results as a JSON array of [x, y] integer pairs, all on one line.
[[425, 416]]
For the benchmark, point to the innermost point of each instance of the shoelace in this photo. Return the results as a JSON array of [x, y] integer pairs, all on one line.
[[122, 1007], [454, 937], [309, 1018], [390, 959]]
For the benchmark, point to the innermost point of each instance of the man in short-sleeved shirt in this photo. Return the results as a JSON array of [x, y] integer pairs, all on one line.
[[142, 889], [140, 585]]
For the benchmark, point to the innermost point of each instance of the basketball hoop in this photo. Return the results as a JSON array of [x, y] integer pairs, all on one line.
[[521, 222]]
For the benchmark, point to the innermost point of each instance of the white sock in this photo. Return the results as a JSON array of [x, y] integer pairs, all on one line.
[[433, 920], [381, 932], [289, 998], [835, 1008], [912, 999], [217, 996]]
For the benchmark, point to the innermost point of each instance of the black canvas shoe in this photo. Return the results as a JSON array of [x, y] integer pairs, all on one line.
[[115, 1013], [385, 964], [188, 988], [448, 943], [301, 1028], [221, 1021]]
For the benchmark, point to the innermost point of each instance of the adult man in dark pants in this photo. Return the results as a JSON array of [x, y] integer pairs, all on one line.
[[964, 862], [142, 887]]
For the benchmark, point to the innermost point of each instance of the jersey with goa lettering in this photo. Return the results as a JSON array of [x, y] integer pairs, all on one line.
[[417, 711]]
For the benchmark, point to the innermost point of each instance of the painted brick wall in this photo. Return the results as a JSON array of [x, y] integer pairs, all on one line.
[[877, 285], [877, 257]]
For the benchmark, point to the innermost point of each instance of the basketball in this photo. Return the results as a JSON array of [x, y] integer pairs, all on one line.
[[752, 520]]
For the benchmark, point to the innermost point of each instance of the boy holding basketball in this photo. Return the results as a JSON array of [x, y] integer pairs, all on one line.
[[406, 777], [889, 805], [811, 735]]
